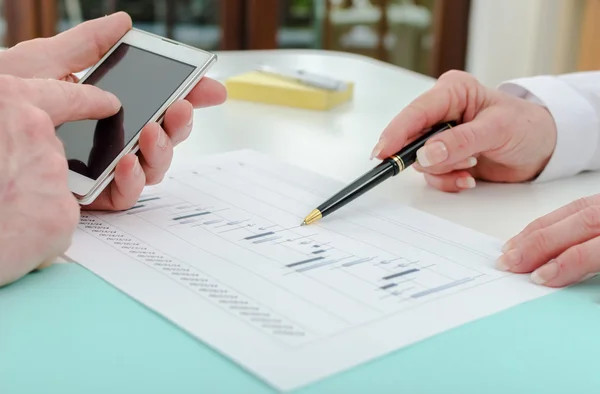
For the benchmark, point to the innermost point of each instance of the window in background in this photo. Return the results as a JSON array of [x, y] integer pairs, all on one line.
[[193, 22], [300, 24], [426, 36], [395, 31]]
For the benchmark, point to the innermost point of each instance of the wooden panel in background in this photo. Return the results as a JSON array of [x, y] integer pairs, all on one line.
[[21, 21], [262, 24], [29, 19], [232, 24], [451, 31], [47, 17], [589, 51]]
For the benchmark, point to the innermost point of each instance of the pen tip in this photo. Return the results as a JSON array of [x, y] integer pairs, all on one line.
[[312, 217]]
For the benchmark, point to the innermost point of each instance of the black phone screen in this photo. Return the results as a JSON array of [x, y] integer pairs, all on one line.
[[143, 81]]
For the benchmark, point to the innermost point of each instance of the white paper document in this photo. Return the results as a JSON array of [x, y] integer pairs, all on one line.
[[218, 249]]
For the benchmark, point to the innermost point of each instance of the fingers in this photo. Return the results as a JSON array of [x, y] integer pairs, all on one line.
[[157, 153], [459, 143], [84, 45], [207, 93], [126, 187], [178, 121], [456, 96], [461, 165], [428, 109], [71, 51], [128, 183], [575, 264], [551, 218], [546, 243], [560, 248], [452, 182], [65, 101], [451, 179], [156, 143]]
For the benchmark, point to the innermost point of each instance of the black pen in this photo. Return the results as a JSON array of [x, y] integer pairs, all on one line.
[[388, 168]]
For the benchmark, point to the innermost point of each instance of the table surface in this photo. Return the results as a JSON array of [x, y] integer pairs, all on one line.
[[64, 330]]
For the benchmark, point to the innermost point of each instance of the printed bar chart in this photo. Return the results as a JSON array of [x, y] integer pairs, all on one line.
[[292, 303]]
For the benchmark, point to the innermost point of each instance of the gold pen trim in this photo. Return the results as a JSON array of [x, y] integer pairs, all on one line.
[[312, 217], [400, 162]]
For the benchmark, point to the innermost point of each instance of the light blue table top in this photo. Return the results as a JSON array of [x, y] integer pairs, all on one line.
[[63, 330]]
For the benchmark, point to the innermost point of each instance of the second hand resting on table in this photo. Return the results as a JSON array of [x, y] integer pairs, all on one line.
[[528, 130]]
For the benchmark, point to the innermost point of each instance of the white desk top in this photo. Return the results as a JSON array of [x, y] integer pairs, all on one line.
[[338, 143]]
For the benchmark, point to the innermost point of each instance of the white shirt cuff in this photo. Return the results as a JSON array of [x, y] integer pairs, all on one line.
[[576, 122]]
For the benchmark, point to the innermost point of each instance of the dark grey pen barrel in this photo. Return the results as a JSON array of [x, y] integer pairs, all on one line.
[[386, 169]]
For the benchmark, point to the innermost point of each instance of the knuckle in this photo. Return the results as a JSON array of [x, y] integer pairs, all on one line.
[[69, 93], [591, 219], [585, 202], [465, 138], [578, 257], [534, 226], [540, 241], [419, 112], [456, 76], [28, 45]]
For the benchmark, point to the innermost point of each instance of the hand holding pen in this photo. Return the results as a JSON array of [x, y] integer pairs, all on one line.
[[501, 136], [388, 168]]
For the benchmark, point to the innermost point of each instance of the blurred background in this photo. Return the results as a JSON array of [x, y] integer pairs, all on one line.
[[493, 39]]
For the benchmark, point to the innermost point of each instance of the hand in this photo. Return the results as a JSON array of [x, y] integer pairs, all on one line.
[[38, 213], [560, 248], [81, 47], [500, 138]]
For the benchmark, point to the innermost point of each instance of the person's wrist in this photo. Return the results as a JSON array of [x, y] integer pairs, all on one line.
[[546, 130]]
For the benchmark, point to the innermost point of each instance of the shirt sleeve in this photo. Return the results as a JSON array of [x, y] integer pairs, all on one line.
[[573, 100]]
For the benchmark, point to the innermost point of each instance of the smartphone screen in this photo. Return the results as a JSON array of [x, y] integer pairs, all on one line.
[[143, 81]]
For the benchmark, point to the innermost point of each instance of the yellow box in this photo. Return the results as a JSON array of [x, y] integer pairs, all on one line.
[[264, 88]]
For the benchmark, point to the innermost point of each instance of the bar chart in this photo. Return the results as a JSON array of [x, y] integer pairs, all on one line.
[[218, 249], [332, 278]]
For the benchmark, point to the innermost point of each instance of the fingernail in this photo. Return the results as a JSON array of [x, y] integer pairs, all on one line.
[[509, 260], [471, 162], [161, 141], [113, 100], [377, 150], [507, 246], [545, 273], [432, 154], [465, 182], [191, 120]]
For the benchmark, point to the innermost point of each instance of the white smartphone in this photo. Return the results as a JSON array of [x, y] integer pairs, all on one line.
[[147, 73]]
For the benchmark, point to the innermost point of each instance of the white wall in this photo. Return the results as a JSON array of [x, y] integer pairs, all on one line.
[[517, 38]]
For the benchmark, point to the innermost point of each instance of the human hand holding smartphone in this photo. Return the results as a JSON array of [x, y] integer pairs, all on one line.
[[40, 91], [147, 73]]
